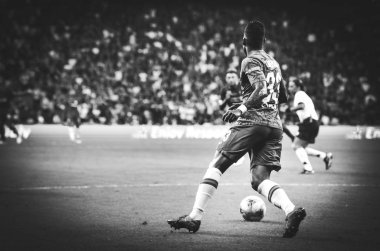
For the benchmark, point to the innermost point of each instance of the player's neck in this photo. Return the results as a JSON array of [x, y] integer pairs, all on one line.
[[253, 51]]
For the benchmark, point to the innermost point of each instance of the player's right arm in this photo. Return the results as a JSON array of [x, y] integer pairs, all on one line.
[[298, 102], [298, 107]]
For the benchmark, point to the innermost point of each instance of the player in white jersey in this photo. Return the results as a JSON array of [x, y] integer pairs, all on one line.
[[308, 128]]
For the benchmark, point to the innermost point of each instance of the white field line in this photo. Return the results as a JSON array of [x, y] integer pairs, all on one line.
[[105, 186]]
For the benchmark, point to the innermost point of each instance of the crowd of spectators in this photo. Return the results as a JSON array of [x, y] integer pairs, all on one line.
[[165, 63]]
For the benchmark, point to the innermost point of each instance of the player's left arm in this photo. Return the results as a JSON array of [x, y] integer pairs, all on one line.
[[299, 106]]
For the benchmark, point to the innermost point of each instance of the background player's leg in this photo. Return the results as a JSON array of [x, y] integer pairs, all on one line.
[[288, 132], [209, 184], [269, 189], [13, 128], [20, 129], [326, 157], [25, 132], [71, 130], [2, 126], [2, 132], [77, 135], [314, 152], [299, 146]]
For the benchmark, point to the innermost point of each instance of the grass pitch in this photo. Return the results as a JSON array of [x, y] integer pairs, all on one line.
[[113, 192]]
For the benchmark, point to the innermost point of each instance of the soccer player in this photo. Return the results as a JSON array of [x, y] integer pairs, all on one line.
[[6, 96], [72, 120], [308, 128], [14, 128], [230, 95], [258, 131]]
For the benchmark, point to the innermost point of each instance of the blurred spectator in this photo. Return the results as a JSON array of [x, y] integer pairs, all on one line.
[[164, 64]]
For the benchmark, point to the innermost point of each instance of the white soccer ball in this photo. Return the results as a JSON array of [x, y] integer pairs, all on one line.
[[252, 208]]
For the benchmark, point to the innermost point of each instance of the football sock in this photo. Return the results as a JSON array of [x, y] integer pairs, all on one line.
[[20, 130], [71, 133], [302, 156], [316, 153], [77, 135], [205, 192], [276, 195]]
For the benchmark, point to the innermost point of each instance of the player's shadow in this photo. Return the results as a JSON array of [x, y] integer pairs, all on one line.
[[243, 234], [219, 234], [229, 234], [270, 222]]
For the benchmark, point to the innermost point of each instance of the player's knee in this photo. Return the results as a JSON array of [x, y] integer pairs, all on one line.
[[258, 175], [255, 183], [256, 180], [220, 162]]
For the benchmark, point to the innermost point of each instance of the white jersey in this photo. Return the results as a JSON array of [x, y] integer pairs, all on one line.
[[309, 110]]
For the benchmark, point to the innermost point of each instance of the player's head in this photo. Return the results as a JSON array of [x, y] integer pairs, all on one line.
[[232, 77], [295, 85], [254, 36]]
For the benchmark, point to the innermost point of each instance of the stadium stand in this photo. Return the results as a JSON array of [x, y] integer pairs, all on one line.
[[133, 63]]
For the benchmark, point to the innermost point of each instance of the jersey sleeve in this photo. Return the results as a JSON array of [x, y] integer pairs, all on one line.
[[299, 98], [253, 70]]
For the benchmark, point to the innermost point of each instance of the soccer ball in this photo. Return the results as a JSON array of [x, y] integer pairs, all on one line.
[[252, 208]]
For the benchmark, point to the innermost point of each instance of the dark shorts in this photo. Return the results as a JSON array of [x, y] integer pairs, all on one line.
[[261, 142], [3, 115], [308, 130]]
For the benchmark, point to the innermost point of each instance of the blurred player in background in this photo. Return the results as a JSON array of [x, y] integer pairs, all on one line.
[[230, 97], [284, 112], [285, 129], [231, 94], [258, 131], [6, 118], [13, 122], [308, 128], [71, 119], [288, 132]]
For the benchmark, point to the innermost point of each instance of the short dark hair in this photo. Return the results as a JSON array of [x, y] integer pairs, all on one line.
[[231, 70], [298, 82], [255, 34]]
